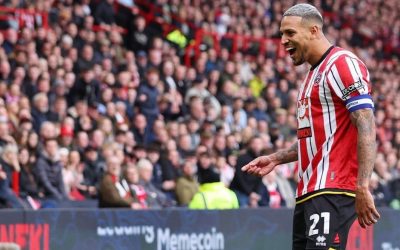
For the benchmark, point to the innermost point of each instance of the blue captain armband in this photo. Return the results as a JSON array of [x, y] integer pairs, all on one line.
[[359, 102]]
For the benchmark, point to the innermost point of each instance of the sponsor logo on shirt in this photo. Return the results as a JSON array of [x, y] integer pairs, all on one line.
[[353, 87], [304, 125], [321, 241]]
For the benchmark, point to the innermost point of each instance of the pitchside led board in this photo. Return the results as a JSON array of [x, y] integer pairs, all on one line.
[[175, 229]]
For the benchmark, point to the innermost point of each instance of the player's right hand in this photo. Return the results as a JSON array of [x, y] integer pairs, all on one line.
[[260, 166]]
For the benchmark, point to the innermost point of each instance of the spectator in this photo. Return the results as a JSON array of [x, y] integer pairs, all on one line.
[[138, 192], [142, 63], [92, 171], [41, 111], [28, 184], [5, 137], [147, 96], [139, 36], [212, 193], [226, 171], [156, 198], [5, 71], [196, 109], [29, 87], [239, 115], [226, 94], [220, 147], [205, 161], [260, 111], [141, 129], [270, 193], [381, 193], [33, 145], [168, 69], [73, 176], [10, 165], [85, 88], [199, 89], [10, 41], [171, 168], [104, 14], [48, 130], [193, 128], [184, 145], [186, 185], [49, 171], [139, 152], [113, 192], [66, 136], [180, 79], [257, 84], [153, 155], [7, 196], [246, 186]]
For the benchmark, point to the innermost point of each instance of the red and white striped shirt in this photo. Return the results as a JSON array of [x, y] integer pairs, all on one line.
[[327, 140]]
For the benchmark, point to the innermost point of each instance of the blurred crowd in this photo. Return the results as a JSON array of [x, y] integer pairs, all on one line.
[[100, 106]]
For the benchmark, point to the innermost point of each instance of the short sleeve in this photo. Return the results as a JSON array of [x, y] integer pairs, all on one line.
[[349, 78]]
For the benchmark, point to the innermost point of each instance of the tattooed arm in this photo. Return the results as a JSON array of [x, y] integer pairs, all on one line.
[[363, 119], [265, 164], [286, 155]]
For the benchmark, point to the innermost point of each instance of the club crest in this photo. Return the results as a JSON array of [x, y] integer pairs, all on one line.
[[317, 79]]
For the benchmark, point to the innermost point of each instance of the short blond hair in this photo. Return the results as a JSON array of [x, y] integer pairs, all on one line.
[[306, 11], [144, 164]]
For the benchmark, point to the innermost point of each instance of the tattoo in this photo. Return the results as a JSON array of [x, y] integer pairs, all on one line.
[[363, 119], [287, 155]]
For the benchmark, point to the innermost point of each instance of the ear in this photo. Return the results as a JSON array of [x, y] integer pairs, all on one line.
[[314, 31]]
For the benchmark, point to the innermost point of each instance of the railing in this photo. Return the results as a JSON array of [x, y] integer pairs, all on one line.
[[239, 43], [242, 43], [24, 17], [151, 13]]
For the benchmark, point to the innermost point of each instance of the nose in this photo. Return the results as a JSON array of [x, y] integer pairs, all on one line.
[[284, 40]]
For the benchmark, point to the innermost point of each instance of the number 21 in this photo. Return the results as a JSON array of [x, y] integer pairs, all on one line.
[[315, 219]]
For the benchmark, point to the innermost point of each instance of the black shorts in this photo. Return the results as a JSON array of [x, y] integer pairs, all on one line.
[[323, 222]]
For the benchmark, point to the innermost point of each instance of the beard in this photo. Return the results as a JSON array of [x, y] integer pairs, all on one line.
[[299, 62], [298, 59], [298, 56]]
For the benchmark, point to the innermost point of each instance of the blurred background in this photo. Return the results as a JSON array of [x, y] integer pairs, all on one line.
[[138, 104]]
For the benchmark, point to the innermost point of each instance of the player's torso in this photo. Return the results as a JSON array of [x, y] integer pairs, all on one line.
[[322, 119]]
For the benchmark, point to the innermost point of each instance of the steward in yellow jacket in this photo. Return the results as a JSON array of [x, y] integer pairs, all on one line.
[[214, 196], [212, 193]]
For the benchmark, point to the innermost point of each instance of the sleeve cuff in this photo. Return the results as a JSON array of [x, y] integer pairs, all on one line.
[[359, 102]]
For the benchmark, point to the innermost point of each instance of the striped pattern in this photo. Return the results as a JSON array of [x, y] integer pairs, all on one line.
[[328, 155]]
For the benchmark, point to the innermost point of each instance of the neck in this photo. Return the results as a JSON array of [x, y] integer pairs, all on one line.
[[319, 50]]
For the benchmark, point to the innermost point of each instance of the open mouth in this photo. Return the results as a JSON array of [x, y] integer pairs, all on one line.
[[291, 51]]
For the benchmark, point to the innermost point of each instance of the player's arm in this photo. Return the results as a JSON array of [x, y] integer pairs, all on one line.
[[363, 119], [265, 164], [286, 155]]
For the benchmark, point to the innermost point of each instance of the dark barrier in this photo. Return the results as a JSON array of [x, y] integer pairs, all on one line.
[[387, 231], [177, 229]]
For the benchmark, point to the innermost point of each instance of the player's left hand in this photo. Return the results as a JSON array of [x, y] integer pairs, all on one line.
[[365, 208]]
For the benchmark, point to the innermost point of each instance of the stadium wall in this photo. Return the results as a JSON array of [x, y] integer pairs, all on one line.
[[175, 229]]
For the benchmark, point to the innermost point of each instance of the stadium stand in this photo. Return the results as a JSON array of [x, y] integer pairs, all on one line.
[[169, 81]]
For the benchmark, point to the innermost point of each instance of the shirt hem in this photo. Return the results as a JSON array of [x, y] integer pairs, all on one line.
[[327, 191]]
